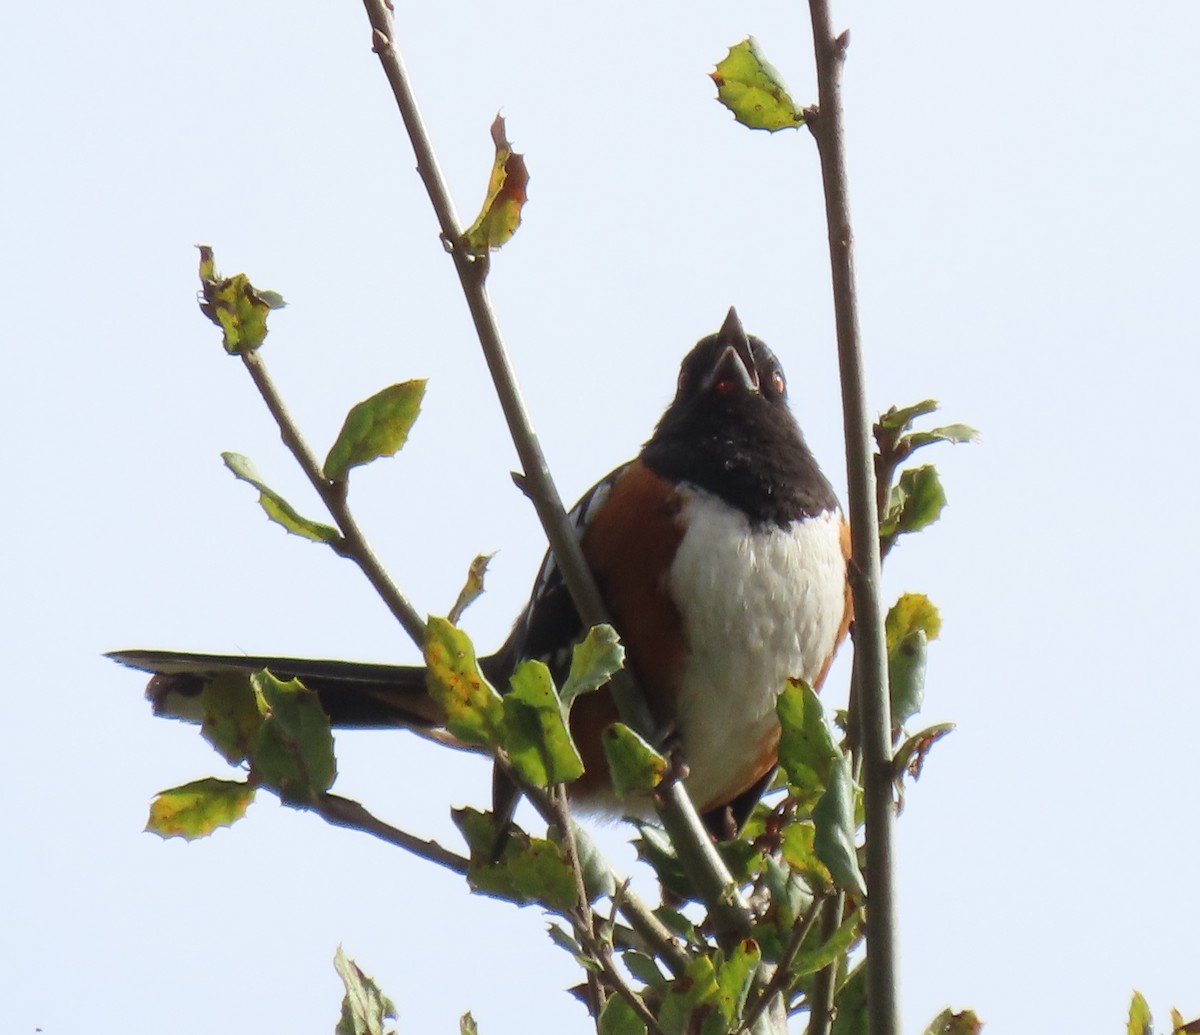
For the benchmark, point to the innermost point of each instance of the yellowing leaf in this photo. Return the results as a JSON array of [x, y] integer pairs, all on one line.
[[500, 215], [235, 305], [472, 588], [375, 427], [474, 711], [196, 809], [750, 88]]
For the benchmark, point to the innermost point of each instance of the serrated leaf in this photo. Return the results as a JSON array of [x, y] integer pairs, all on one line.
[[833, 817], [950, 1023], [235, 305], [1139, 1016], [293, 754], [632, 763], [617, 1017], [474, 711], [806, 746], [276, 507], [528, 869], [735, 977], [230, 716], [593, 662], [472, 588], [365, 1009], [196, 809], [534, 729], [508, 184], [750, 88], [375, 427], [835, 947]]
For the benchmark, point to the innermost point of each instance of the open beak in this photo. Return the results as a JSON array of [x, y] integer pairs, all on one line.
[[735, 365]]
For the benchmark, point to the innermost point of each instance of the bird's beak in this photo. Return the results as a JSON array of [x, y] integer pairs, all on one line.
[[735, 362]]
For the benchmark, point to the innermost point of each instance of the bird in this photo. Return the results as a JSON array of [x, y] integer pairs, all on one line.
[[722, 554]]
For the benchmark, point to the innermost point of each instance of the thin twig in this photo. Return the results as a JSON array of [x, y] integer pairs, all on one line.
[[870, 656], [333, 495], [820, 1015], [343, 812], [781, 978], [696, 852]]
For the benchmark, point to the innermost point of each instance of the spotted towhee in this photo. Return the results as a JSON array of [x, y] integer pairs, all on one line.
[[721, 553]]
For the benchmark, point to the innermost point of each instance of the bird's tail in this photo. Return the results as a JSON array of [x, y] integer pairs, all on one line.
[[355, 695]]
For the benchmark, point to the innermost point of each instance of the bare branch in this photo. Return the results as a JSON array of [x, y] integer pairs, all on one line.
[[825, 122], [343, 812]]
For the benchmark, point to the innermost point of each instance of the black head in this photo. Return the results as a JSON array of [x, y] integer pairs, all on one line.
[[729, 430]]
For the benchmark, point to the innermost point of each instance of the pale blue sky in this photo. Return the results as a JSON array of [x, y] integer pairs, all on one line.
[[1025, 192]]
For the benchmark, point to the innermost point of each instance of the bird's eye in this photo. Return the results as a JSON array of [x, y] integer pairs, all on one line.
[[777, 382]]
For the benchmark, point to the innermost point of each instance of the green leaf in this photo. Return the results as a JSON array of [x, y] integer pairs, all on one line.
[[911, 623], [277, 508], [955, 434], [534, 729], [467, 1025], [645, 969], [633, 764], [196, 809], [597, 874], [365, 1009], [950, 1023], [799, 851], [806, 746], [617, 1017], [655, 848], [593, 662], [899, 419], [1139, 1016], [915, 503], [529, 869], [500, 215], [735, 977], [691, 1005], [474, 711], [850, 1004], [375, 427], [231, 718], [472, 588], [234, 305], [294, 752], [833, 948], [750, 88], [833, 816]]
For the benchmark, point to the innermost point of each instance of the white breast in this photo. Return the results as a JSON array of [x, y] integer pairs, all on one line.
[[764, 604]]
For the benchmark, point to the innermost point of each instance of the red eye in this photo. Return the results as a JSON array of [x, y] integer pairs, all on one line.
[[777, 382]]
